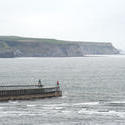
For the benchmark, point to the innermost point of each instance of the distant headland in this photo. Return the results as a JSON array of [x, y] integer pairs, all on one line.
[[14, 46]]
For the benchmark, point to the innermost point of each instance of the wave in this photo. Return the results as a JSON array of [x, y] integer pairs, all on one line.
[[72, 104], [118, 102], [64, 96], [60, 104], [13, 102], [114, 103], [31, 105], [102, 112], [52, 108], [86, 103]]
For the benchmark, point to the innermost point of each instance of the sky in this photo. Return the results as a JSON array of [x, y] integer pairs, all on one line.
[[75, 20]]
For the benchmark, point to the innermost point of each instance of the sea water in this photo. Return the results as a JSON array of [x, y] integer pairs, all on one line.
[[93, 91]]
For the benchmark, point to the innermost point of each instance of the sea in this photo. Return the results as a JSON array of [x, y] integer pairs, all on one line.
[[93, 89]]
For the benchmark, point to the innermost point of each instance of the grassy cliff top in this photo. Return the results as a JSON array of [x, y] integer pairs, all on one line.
[[30, 39], [26, 39]]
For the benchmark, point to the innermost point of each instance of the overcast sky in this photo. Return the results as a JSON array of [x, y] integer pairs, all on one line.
[[79, 20]]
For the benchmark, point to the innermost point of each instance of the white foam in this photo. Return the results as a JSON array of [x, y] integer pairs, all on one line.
[[86, 103], [29, 114], [118, 102], [13, 102], [18, 113], [10, 113], [66, 112], [56, 105], [58, 108], [52, 107], [31, 105], [63, 97]]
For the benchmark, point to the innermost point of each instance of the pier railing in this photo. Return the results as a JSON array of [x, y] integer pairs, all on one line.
[[18, 87]]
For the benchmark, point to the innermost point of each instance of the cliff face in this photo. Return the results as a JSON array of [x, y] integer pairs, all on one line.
[[31, 47], [98, 48]]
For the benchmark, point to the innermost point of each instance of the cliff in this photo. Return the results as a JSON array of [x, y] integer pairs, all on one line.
[[11, 46]]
